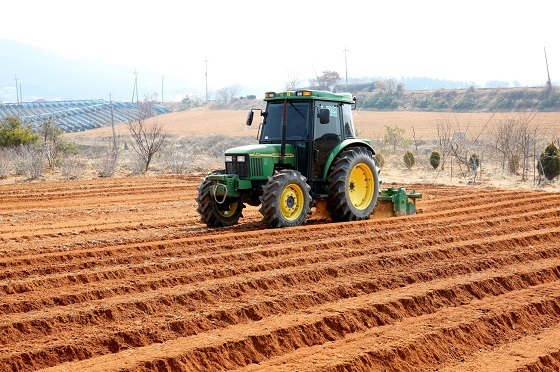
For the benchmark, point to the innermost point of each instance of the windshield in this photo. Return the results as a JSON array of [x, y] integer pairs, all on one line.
[[297, 117]]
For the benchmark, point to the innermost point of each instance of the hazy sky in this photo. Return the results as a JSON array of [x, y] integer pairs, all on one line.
[[266, 43]]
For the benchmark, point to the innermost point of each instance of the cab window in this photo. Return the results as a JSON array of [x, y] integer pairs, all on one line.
[[297, 119], [348, 124]]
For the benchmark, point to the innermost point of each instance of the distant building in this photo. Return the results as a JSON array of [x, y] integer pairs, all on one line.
[[355, 87]]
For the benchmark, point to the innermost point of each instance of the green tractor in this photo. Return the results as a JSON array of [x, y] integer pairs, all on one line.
[[308, 156]]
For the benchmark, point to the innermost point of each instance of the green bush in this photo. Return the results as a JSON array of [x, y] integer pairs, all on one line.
[[550, 162], [435, 158], [409, 159], [13, 133], [474, 162]]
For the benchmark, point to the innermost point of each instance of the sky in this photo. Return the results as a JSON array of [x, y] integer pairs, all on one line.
[[265, 44]]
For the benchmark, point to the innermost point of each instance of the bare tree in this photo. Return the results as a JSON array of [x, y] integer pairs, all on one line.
[[227, 93], [327, 80], [146, 107], [445, 139], [109, 159], [415, 140], [292, 82], [459, 143], [148, 136], [51, 136], [513, 140]]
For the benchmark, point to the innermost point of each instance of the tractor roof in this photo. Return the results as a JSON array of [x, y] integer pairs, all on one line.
[[309, 94]]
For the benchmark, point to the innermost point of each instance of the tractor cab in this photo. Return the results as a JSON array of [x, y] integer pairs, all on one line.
[[315, 123]]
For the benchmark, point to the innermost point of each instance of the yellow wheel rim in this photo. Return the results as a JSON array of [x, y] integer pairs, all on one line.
[[291, 202], [230, 211], [361, 186]]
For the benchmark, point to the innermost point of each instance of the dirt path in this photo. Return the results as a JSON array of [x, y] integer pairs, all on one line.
[[118, 274]]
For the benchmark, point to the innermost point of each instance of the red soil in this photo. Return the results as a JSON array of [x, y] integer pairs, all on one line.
[[119, 274]]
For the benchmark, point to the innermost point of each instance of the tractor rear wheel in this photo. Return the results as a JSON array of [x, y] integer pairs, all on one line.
[[216, 211], [285, 200], [353, 186]]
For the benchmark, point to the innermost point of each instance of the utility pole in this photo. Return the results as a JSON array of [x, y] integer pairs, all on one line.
[[135, 73], [161, 88], [113, 126], [17, 90], [548, 83], [346, 63], [206, 76]]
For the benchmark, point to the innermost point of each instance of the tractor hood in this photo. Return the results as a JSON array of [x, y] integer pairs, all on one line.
[[262, 150], [256, 162]]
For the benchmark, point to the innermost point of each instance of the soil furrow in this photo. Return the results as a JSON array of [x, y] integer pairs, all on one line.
[[383, 232], [466, 288], [388, 255], [379, 342], [120, 274]]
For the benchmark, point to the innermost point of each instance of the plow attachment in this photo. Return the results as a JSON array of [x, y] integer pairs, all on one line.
[[396, 202]]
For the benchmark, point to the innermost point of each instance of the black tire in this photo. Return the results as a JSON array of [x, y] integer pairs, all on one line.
[[215, 213], [353, 186], [285, 201]]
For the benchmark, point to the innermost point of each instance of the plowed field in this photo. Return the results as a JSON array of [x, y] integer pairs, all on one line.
[[118, 274]]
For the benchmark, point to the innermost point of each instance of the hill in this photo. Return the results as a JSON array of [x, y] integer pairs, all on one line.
[[53, 77], [387, 97]]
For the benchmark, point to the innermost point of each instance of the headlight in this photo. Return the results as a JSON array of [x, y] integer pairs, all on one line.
[[241, 158], [229, 158]]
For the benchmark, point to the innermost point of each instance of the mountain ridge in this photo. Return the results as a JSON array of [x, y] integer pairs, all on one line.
[[43, 74]]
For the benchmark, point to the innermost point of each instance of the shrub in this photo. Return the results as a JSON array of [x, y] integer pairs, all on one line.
[[107, 165], [474, 162], [30, 161], [435, 158], [71, 167], [550, 162], [13, 133], [513, 164], [380, 160], [176, 160], [394, 136], [6, 162], [409, 159]]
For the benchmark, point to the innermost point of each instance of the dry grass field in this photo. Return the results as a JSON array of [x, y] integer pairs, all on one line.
[[423, 126], [370, 124], [119, 274]]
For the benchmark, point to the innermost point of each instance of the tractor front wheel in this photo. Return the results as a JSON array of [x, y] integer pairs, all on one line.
[[217, 211], [353, 185], [285, 200]]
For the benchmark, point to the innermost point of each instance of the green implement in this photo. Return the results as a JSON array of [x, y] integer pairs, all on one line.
[[403, 203]]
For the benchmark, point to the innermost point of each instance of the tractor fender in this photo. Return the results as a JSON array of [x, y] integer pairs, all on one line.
[[340, 147]]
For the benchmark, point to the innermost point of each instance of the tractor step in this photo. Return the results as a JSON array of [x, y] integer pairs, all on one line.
[[403, 203]]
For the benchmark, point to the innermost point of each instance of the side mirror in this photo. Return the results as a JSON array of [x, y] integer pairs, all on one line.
[[324, 116], [249, 118]]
